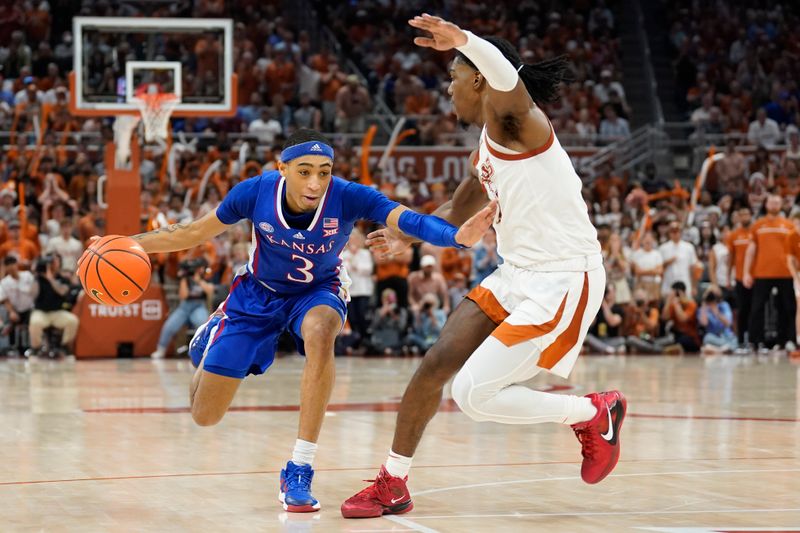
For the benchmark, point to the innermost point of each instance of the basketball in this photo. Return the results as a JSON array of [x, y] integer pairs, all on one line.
[[114, 270]]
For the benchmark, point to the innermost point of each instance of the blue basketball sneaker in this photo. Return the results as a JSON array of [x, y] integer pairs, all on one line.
[[295, 492], [201, 338]]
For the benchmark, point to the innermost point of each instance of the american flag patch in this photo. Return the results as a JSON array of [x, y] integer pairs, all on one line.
[[330, 223]]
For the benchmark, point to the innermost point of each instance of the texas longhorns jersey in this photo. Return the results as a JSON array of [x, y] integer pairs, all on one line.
[[542, 217]]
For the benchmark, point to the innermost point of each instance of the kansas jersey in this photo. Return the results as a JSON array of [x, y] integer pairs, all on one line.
[[291, 261]]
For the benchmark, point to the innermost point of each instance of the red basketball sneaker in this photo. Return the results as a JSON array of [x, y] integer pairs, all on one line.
[[599, 436], [387, 495]]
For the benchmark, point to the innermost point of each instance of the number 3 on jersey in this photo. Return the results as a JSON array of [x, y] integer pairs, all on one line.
[[305, 270]]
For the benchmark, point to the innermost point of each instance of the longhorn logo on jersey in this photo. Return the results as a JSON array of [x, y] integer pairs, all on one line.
[[486, 175], [487, 171]]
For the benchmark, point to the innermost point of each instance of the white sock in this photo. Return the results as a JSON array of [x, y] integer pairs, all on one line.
[[304, 452], [582, 410], [398, 465]]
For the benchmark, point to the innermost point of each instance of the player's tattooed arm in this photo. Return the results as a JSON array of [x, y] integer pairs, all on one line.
[[180, 236]]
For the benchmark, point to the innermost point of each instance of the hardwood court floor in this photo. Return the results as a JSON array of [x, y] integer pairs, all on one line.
[[108, 446]]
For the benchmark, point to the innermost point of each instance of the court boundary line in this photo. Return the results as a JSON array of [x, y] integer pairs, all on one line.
[[633, 474], [608, 513], [369, 468], [390, 406], [409, 523]]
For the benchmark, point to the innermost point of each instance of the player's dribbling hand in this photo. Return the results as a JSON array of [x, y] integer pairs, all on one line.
[[473, 229], [386, 242], [444, 35]]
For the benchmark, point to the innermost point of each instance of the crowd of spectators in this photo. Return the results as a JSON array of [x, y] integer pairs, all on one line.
[[736, 67], [677, 279], [716, 277], [413, 81]]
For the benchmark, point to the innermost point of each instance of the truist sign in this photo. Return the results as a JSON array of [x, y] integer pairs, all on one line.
[[104, 329]]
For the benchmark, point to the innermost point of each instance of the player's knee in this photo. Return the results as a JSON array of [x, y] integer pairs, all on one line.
[[437, 366], [465, 395], [320, 335], [205, 417]]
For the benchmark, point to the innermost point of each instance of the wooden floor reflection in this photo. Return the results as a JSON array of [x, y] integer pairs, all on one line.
[[712, 444]]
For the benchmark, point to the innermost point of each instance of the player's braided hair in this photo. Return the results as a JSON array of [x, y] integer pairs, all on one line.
[[305, 135], [542, 80]]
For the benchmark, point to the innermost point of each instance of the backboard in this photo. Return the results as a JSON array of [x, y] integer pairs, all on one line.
[[190, 57]]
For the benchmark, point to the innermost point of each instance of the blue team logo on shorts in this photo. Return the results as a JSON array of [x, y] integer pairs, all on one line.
[[267, 227]]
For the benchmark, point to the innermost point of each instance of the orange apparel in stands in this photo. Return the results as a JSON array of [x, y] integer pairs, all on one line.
[[737, 243], [770, 238]]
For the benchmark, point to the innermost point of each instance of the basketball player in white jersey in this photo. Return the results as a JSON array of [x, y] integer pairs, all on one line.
[[531, 314]]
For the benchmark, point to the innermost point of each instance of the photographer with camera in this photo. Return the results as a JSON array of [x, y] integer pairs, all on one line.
[[716, 316], [640, 326], [428, 323], [682, 312], [52, 305], [192, 310], [388, 325]]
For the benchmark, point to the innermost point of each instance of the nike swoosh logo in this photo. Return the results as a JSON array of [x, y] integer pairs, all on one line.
[[609, 435], [395, 500]]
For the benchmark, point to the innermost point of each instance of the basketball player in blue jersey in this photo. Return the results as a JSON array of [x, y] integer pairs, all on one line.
[[302, 217]]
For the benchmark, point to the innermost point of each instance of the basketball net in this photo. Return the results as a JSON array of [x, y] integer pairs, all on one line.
[[155, 108]]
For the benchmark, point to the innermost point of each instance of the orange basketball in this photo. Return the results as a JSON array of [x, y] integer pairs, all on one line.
[[114, 270]]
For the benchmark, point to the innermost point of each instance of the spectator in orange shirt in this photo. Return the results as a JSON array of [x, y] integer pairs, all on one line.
[[393, 274], [737, 242], [455, 262], [765, 268], [601, 187], [281, 76], [330, 83], [25, 250], [90, 223], [682, 311]]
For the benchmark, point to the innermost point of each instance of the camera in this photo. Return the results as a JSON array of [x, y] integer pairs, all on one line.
[[711, 298], [42, 264], [188, 267]]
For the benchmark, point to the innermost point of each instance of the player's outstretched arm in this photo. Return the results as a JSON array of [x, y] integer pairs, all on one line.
[[177, 237], [438, 231], [468, 199], [507, 92]]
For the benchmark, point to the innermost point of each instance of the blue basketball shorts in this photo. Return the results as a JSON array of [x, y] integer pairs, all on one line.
[[246, 337]]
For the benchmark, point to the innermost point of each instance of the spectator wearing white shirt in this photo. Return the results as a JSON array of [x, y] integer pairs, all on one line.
[[359, 264], [648, 267], [19, 292], [8, 211], [763, 131], [265, 128], [702, 114], [30, 94], [613, 127], [679, 258], [66, 245], [602, 91]]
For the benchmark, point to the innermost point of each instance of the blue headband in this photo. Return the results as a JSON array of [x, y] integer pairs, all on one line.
[[306, 148]]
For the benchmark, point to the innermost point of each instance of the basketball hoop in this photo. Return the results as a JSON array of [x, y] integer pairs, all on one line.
[[155, 108]]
